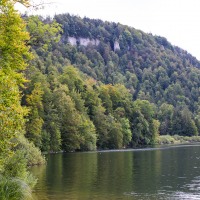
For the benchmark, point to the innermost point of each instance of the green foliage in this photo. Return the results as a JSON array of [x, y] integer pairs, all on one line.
[[15, 180], [14, 54], [11, 115], [165, 115], [126, 131], [176, 139], [99, 96], [42, 34], [77, 131], [88, 131], [155, 130], [35, 121], [165, 139], [148, 65], [115, 140], [69, 119], [31, 153], [183, 124], [51, 137], [14, 189], [145, 128], [16, 166]]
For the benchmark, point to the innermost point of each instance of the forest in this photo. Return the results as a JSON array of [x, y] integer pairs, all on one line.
[[102, 85], [79, 84]]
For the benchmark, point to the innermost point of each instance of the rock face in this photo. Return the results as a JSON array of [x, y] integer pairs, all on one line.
[[82, 41], [87, 41], [116, 46], [72, 41]]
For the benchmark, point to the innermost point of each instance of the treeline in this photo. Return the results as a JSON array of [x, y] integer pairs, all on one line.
[[83, 97]]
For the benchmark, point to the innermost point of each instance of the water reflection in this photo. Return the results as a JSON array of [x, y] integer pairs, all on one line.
[[169, 173]]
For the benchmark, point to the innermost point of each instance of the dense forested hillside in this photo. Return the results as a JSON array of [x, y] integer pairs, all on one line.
[[106, 85], [79, 84], [148, 65]]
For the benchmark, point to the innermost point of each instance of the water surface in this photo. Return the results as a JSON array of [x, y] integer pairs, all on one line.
[[143, 174]]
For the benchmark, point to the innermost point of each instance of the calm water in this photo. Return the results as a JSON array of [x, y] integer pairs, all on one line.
[[159, 173]]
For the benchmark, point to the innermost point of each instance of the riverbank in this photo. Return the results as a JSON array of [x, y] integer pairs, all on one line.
[[161, 140], [176, 139]]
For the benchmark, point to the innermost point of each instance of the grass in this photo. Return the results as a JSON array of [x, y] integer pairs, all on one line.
[[14, 189]]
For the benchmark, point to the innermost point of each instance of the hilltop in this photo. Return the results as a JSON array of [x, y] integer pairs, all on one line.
[[123, 85]]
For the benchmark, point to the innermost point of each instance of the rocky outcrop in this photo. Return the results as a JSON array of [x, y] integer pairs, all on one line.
[[116, 46], [87, 41], [83, 41], [72, 41]]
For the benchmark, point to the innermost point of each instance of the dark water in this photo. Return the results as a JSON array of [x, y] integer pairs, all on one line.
[[159, 173]]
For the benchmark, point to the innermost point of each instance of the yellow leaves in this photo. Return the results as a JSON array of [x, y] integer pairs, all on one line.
[[13, 39], [11, 111], [23, 2], [90, 82], [14, 55], [156, 125], [35, 121], [11, 125], [35, 98], [42, 34]]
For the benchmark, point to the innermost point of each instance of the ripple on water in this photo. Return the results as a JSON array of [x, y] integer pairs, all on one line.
[[164, 195], [184, 195], [194, 186]]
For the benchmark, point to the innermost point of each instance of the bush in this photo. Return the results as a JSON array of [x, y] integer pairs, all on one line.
[[176, 139], [14, 189], [16, 167], [165, 139], [32, 153]]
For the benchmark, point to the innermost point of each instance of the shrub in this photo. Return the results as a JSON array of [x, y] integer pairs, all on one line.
[[14, 189], [32, 153]]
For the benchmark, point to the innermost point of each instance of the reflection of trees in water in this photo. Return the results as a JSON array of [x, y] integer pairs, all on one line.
[[121, 174], [40, 173], [79, 172]]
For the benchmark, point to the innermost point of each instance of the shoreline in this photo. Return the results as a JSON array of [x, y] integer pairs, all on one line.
[[161, 140], [176, 139]]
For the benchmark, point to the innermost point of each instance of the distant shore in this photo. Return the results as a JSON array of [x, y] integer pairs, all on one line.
[[176, 139], [161, 140]]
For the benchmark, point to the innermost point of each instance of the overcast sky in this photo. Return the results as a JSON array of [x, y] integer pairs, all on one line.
[[177, 20]]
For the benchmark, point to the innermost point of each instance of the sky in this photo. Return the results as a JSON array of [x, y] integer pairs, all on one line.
[[177, 20]]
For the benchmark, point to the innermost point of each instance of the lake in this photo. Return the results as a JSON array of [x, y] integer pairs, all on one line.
[[142, 174]]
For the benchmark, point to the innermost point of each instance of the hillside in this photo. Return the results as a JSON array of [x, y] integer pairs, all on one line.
[[162, 84], [148, 65]]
